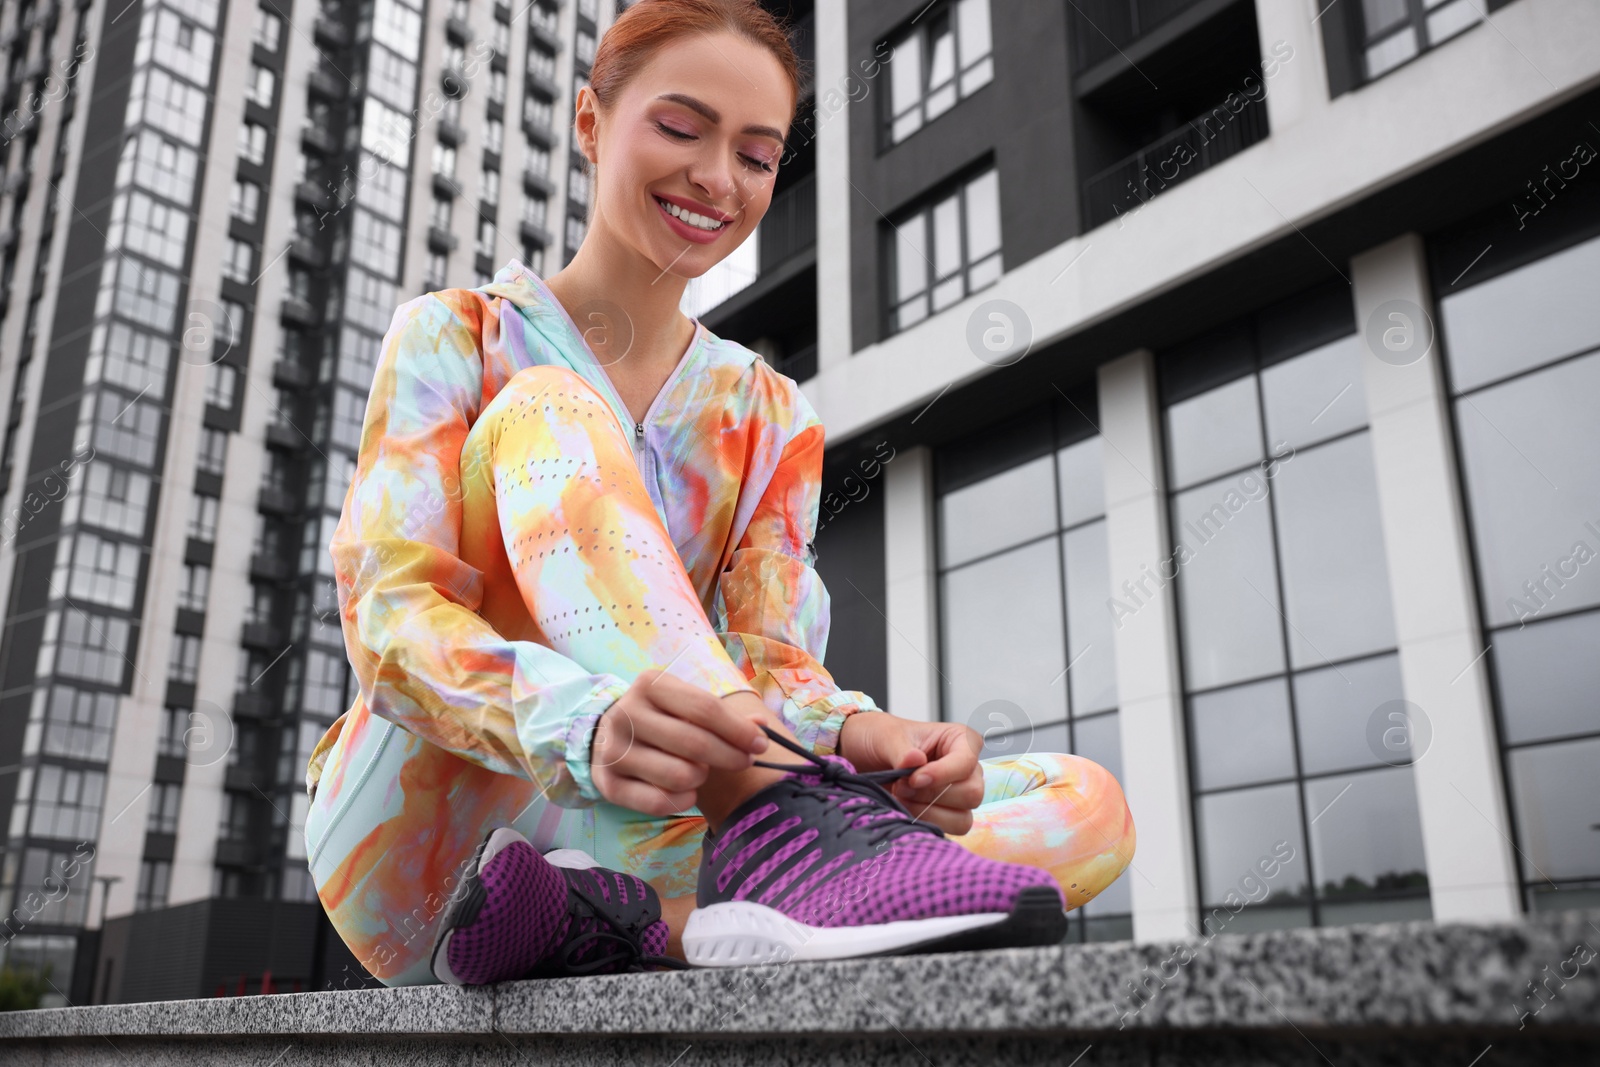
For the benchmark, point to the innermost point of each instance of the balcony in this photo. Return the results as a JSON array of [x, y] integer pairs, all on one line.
[[234, 853], [285, 438], [249, 704], [332, 33], [1104, 28], [319, 140], [444, 185], [532, 231], [287, 374], [269, 568], [790, 224], [542, 84], [451, 133], [542, 28], [441, 240], [314, 195], [539, 132], [535, 183], [277, 501], [239, 777], [298, 311], [326, 84], [308, 251], [457, 30], [1191, 149]]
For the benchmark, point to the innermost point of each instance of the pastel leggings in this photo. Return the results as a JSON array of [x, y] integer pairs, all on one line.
[[395, 819]]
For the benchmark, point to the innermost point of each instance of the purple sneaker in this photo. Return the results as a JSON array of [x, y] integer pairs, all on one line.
[[519, 914], [827, 864]]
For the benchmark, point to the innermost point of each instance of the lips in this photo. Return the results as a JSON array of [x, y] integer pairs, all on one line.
[[685, 231]]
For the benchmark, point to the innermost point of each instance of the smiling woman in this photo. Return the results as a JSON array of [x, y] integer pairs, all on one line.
[[575, 579]]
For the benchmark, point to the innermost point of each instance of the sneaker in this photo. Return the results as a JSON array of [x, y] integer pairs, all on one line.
[[827, 864], [519, 914]]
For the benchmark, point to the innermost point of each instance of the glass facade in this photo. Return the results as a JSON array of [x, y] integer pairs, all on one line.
[[1522, 354], [1285, 624], [1045, 681]]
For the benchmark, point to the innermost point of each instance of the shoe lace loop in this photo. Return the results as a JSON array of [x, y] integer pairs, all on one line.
[[838, 786]]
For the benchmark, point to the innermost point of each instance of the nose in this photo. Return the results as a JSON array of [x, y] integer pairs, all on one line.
[[712, 173]]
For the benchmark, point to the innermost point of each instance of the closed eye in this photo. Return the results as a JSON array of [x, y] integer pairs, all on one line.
[[679, 135]]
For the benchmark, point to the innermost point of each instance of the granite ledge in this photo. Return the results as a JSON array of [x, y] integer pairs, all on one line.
[[1393, 978]]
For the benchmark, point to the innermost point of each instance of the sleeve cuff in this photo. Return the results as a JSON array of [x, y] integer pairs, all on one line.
[[817, 725], [577, 741]]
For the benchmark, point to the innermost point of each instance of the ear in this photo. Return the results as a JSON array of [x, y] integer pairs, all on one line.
[[585, 124]]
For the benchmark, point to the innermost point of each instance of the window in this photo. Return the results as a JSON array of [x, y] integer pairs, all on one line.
[[149, 227], [578, 187], [1285, 620], [497, 86], [174, 727], [124, 356], [167, 104], [160, 165], [146, 294], [112, 498], [539, 113], [66, 803], [184, 664], [534, 209], [375, 244], [96, 569], [154, 879], [382, 187], [349, 409], [263, 83], [583, 50], [576, 228], [192, 590], [245, 203], [213, 453], [1048, 682], [489, 187], [944, 58], [486, 236], [1393, 31], [533, 258], [175, 43], [324, 692], [440, 215], [203, 517], [542, 64], [500, 37], [444, 160], [74, 723], [537, 161], [230, 330], [434, 278], [122, 428], [397, 27], [391, 79], [221, 383], [48, 868], [494, 135], [1522, 351], [164, 800], [268, 29], [370, 301], [239, 260], [253, 142], [946, 251], [91, 646]]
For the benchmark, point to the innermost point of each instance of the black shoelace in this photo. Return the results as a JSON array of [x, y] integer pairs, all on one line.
[[838, 784], [620, 934]]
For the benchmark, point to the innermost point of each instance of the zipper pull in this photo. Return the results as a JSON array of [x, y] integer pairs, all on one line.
[[638, 429]]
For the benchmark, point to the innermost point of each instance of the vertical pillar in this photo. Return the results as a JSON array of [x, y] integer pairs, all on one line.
[[910, 581], [1466, 829], [1155, 768], [1294, 69], [832, 42]]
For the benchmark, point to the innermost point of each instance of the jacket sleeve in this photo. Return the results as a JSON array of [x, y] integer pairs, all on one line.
[[772, 608], [424, 658]]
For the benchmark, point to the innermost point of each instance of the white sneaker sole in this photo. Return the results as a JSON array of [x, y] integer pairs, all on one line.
[[740, 933]]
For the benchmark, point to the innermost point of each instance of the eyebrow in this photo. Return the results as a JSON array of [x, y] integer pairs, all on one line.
[[710, 113]]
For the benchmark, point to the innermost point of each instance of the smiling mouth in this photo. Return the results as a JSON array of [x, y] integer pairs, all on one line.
[[690, 218]]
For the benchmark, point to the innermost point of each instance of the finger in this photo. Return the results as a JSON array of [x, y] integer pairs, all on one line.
[[668, 772], [648, 799], [965, 794], [953, 766], [691, 742], [695, 705]]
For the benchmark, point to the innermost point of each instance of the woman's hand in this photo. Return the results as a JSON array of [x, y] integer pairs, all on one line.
[[654, 747], [948, 782]]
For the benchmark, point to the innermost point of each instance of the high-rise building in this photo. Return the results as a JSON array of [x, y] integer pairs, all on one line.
[[210, 213]]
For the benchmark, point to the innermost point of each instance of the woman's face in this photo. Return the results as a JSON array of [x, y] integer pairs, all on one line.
[[697, 132]]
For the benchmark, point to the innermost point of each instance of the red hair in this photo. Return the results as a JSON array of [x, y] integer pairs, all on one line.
[[632, 40]]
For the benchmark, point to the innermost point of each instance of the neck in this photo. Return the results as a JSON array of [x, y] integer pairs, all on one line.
[[604, 269]]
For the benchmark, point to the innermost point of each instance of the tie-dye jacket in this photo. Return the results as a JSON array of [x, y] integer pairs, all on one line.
[[735, 451]]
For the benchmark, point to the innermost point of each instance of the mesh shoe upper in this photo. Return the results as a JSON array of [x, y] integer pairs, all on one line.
[[830, 847]]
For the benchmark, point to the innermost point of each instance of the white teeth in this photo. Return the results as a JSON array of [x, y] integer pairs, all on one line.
[[699, 222]]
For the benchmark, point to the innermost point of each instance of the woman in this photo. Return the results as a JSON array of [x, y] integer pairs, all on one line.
[[574, 572]]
